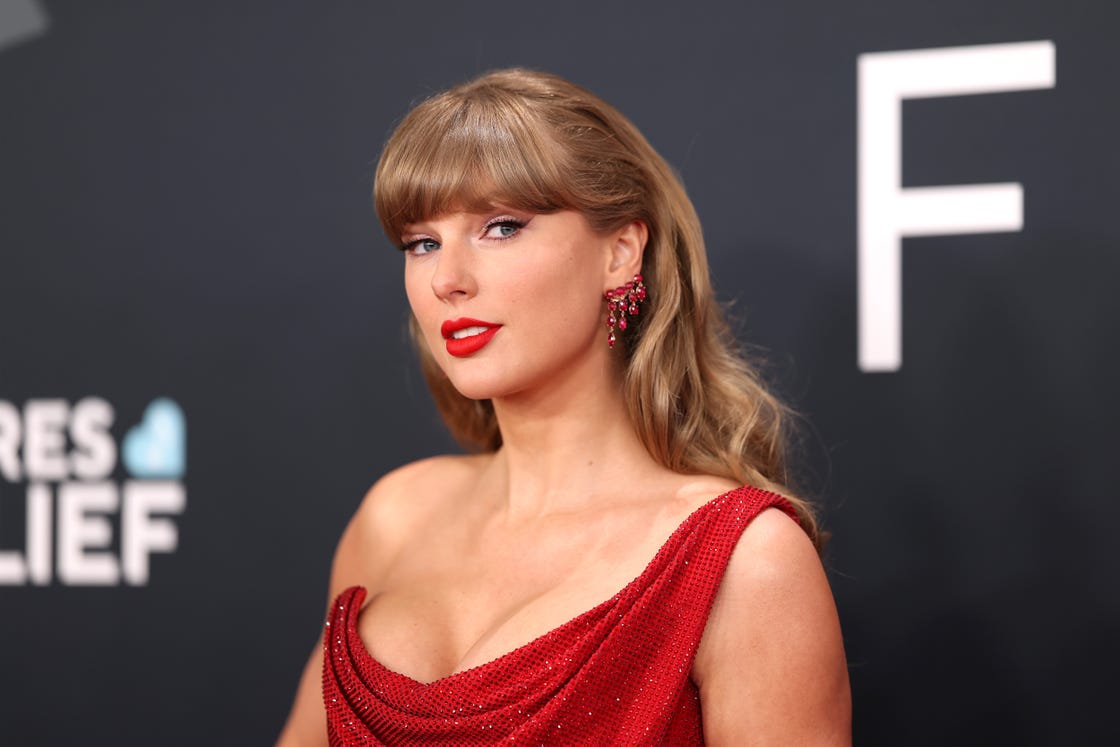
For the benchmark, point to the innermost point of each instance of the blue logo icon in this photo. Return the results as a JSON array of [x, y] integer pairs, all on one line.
[[157, 447]]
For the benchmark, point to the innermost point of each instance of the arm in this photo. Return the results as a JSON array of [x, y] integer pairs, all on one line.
[[771, 667], [307, 720]]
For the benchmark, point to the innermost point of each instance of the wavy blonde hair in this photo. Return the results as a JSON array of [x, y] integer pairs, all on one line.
[[536, 142]]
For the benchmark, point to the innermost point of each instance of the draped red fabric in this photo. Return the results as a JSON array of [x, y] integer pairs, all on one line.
[[616, 674]]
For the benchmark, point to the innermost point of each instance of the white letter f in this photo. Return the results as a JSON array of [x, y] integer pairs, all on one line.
[[887, 212]]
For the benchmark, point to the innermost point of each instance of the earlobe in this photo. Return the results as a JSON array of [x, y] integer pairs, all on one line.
[[627, 246]]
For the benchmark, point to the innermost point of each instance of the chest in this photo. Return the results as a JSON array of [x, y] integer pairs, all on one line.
[[618, 675], [456, 599]]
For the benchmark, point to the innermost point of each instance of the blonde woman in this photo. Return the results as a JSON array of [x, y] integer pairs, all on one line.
[[614, 563]]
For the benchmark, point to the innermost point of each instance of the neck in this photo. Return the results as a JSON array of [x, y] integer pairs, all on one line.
[[565, 446]]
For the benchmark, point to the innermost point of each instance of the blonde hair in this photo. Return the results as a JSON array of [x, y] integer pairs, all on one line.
[[539, 143]]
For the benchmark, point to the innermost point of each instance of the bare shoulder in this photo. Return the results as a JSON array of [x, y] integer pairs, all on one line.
[[686, 493], [418, 487], [396, 507], [391, 511], [774, 553], [771, 666], [700, 489]]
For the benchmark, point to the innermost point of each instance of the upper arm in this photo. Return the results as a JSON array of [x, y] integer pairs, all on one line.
[[771, 667]]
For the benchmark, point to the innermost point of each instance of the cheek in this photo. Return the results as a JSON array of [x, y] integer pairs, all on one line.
[[423, 304], [568, 306], [415, 286], [567, 279]]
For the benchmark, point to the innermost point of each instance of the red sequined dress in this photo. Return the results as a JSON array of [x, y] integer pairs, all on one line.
[[616, 674]]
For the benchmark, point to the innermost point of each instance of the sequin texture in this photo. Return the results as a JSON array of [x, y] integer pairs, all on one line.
[[616, 674]]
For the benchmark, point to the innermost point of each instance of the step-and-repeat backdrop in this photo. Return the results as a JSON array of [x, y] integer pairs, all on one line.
[[203, 365]]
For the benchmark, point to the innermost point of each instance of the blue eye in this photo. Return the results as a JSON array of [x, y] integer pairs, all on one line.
[[504, 228], [420, 246]]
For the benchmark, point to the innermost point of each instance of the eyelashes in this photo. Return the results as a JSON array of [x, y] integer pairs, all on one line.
[[497, 228], [502, 228], [420, 246]]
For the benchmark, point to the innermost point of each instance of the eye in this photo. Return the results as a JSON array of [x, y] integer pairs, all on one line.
[[503, 228], [420, 246]]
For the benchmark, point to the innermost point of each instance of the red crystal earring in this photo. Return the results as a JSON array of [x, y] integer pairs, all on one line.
[[622, 302]]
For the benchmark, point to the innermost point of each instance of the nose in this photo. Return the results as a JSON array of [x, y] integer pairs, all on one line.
[[453, 278]]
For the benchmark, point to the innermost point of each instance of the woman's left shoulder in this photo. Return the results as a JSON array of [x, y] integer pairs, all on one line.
[[774, 550], [693, 491], [771, 665]]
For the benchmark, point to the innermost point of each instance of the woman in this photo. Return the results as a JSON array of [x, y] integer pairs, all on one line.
[[566, 322]]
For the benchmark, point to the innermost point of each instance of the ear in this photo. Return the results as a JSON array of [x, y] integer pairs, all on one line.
[[627, 245]]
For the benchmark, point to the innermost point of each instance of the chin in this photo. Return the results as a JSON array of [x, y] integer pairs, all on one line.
[[479, 387]]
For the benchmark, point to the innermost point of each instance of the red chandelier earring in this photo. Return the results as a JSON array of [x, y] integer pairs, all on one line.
[[622, 302]]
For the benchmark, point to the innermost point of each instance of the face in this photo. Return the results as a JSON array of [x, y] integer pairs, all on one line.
[[510, 301]]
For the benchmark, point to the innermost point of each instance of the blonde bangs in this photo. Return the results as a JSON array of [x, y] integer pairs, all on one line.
[[456, 153]]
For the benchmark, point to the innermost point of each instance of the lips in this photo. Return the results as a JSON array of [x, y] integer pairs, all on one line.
[[467, 336]]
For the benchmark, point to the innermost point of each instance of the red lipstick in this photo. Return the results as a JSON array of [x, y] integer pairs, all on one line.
[[479, 333]]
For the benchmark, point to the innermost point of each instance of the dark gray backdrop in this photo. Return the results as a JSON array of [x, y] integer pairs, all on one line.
[[186, 214]]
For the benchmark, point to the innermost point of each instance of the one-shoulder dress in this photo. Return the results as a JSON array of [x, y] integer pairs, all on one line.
[[618, 674]]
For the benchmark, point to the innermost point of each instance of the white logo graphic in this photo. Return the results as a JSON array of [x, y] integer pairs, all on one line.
[[887, 212], [54, 448]]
